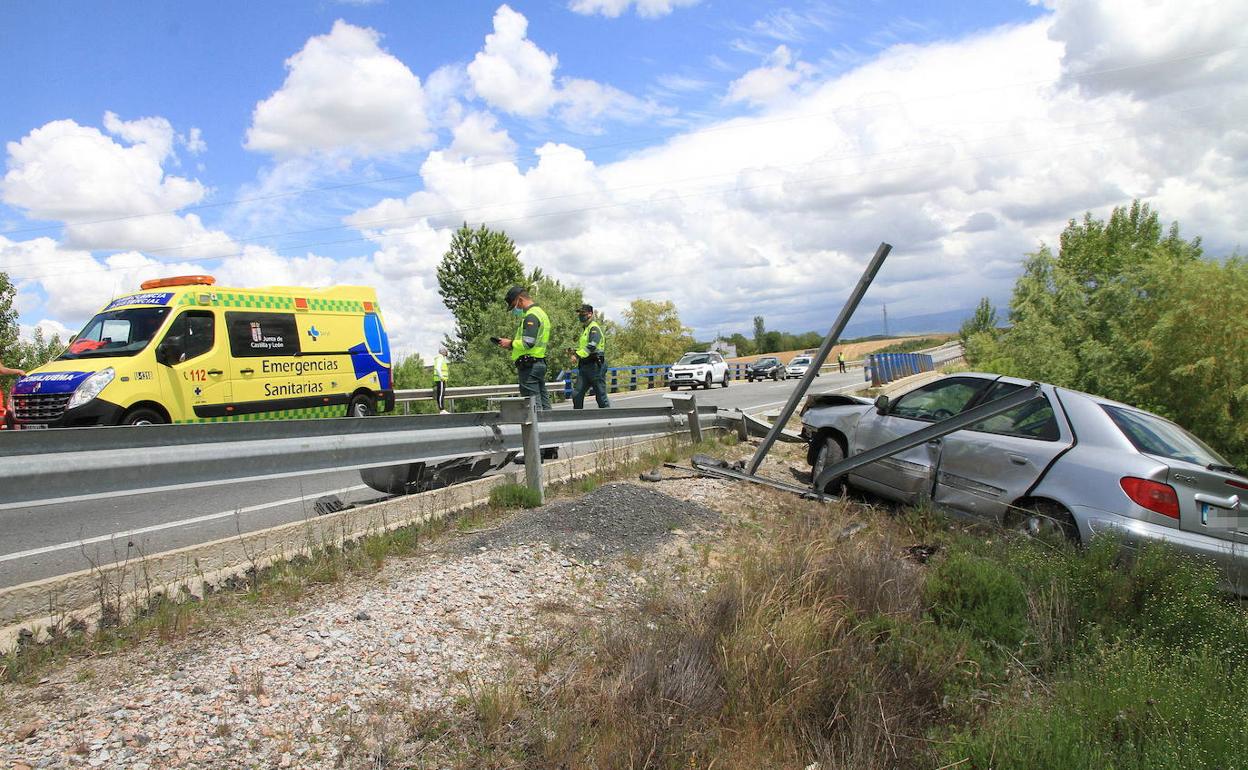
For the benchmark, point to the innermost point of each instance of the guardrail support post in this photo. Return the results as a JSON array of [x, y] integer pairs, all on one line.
[[532, 449], [695, 427]]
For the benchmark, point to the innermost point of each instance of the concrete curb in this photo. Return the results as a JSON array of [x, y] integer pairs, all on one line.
[[77, 599]]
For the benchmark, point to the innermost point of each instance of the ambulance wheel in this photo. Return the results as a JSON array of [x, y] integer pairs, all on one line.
[[143, 416], [361, 406]]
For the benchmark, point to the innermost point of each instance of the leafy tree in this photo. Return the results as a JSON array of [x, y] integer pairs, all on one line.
[[743, 344], [37, 352], [473, 277], [651, 334], [8, 319], [485, 363], [983, 320], [1131, 312], [760, 328]]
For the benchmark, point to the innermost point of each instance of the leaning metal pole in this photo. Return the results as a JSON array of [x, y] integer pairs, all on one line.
[[799, 393]]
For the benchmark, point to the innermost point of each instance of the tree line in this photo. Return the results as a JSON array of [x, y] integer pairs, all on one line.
[[1132, 311]]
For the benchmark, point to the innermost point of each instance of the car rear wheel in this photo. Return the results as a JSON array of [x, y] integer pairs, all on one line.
[[144, 416], [361, 406], [830, 453], [1045, 521], [725, 379]]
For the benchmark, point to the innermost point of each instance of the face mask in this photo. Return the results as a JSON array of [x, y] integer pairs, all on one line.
[[584, 318], [517, 311]]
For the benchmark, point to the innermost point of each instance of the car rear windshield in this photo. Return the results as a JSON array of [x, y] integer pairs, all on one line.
[[799, 361], [690, 358], [1152, 435], [116, 333]]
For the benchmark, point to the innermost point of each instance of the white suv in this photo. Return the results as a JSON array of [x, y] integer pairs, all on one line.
[[694, 369]]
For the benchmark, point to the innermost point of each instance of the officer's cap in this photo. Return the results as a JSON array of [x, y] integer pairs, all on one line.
[[512, 293], [587, 308]]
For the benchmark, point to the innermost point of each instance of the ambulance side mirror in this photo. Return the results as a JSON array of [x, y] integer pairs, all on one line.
[[169, 350]]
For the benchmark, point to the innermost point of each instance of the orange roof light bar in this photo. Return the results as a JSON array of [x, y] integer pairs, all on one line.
[[180, 280]]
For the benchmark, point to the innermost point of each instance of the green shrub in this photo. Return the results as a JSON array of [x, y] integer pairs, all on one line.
[[1131, 707], [980, 595], [514, 496]]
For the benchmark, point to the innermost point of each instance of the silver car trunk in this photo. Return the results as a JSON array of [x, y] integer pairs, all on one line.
[[1211, 502]]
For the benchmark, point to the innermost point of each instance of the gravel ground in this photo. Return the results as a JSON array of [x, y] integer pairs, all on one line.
[[322, 683], [615, 519]]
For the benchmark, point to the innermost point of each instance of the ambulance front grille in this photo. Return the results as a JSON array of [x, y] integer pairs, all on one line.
[[40, 407]]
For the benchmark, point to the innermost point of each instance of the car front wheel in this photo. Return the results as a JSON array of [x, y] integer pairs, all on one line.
[[830, 453], [674, 387], [707, 383]]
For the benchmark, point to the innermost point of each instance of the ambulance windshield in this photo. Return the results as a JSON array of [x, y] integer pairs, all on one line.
[[116, 333]]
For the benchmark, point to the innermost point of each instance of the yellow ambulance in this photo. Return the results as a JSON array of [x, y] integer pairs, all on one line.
[[183, 350]]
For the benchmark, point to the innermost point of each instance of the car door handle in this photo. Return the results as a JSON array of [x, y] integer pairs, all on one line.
[[246, 371], [216, 372], [1017, 459]]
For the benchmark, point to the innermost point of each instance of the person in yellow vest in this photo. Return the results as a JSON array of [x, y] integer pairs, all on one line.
[[840, 360], [440, 376], [591, 360], [528, 346]]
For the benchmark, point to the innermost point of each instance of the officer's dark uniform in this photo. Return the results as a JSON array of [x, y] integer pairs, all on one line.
[[591, 358]]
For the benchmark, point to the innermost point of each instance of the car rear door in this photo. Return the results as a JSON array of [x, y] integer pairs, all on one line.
[[984, 468], [910, 474]]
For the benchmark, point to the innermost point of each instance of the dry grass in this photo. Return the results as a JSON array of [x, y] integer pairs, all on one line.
[[786, 661]]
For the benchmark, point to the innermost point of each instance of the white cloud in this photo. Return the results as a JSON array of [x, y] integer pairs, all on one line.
[[773, 81], [614, 8], [343, 94], [964, 154], [110, 194], [478, 136], [512, 74]]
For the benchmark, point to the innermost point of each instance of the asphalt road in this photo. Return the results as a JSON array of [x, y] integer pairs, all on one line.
[[42, 542]]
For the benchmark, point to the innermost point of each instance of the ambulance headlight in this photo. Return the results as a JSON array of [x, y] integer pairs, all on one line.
[[91, 387]]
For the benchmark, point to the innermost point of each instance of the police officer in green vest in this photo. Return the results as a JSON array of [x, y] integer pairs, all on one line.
[[528, 347], [591, 360]]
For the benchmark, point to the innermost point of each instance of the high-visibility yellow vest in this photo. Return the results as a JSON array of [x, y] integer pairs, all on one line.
[[538, 331], [439, 368], [600, 344]]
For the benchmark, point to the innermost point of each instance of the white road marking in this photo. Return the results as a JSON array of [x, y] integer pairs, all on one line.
[[173, 524]]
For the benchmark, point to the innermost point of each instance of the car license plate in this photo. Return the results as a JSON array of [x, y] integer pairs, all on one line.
[[1218, 517], [32, 426]]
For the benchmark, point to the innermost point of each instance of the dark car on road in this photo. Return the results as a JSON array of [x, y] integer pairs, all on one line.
[[764, 368]]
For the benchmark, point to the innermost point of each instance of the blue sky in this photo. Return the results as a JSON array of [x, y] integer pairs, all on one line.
[[737, 158]]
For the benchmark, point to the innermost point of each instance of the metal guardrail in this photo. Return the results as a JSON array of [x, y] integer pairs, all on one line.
[[57, 466], [883, 368]]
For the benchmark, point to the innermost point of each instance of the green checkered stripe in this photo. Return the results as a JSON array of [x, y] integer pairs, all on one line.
[[335, 410], [276, 302]]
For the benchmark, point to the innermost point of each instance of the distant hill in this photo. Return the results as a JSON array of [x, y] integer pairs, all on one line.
[[947, 321]]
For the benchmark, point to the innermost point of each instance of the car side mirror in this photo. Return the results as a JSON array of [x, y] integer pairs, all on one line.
[[881, 404]]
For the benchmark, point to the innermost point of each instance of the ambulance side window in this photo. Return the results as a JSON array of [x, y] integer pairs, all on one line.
[[262, 334], [191, 335]]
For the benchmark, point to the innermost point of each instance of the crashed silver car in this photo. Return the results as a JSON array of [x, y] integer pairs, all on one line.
[[1067, 464]]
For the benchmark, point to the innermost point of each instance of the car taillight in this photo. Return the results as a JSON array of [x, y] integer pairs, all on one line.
[[1153, 495], [1237, 484]]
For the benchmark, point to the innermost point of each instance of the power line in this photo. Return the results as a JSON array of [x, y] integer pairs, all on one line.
[[732, 124]]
